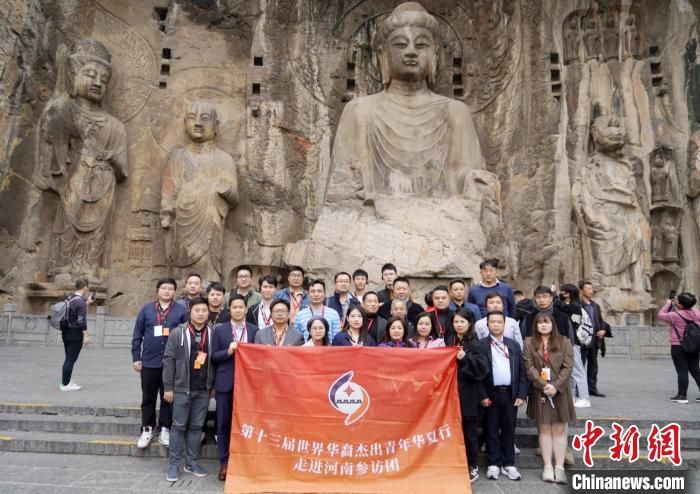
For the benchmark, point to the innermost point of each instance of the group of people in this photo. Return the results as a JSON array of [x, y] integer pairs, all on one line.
[[508, 348]]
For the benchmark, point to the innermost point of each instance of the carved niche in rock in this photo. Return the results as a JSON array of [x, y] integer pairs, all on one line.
[[81, 153], [665, 236], [611, 35], [592, 37], [615, 232], [630, 37], [404, 150], [199, 187], [664, 185], [572, 40]]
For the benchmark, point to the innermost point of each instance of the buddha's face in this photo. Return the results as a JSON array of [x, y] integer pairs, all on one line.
[[91, 82], [608, 133], [409, 51], [200, 123]]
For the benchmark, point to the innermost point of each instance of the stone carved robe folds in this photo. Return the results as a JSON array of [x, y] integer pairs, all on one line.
[[616, 232], [387, 145], [94, 144], [198, 190]]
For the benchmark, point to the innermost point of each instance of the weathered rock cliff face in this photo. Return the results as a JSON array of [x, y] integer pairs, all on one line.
[[535, 74]]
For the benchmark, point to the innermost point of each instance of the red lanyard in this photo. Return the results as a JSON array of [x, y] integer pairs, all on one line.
[[161, 313], [441, 328], [545, 353], [370, 323], [279, 339], [203, 340], [266, 319], [293, 299], [501, 348], [243, 332]]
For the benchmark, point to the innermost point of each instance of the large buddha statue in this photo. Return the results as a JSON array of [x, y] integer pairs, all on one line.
[[408, 181], [199, 188], [82, 154]]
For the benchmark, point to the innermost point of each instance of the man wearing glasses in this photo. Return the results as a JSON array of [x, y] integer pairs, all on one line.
[[294, 295], [244, 286]]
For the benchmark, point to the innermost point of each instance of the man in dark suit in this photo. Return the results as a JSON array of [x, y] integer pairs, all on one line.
[[225, 341], [504, 389]]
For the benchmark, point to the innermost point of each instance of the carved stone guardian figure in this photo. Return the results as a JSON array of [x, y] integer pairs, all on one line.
[[199, 187], [400, 154], [616, 234], [572, 41], [82, 154], [611, 39], [591, 37], [630, 37]]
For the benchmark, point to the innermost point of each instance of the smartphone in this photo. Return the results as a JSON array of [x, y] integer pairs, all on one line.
[[672, 294], [93, 295]]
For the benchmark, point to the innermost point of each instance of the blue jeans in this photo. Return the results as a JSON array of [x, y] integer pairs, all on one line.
[[189, 412]]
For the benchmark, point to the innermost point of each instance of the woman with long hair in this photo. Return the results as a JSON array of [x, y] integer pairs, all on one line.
[[473, 367], [549, 360], [355, 332]]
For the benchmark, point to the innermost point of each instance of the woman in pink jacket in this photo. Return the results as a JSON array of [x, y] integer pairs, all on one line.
[[677, 313]]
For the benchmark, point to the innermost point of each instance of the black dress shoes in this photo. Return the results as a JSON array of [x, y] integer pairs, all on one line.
[[595, 392]]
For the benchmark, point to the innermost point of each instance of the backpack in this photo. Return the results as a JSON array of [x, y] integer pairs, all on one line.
[[584, 332], [59, 314], [691, 338]]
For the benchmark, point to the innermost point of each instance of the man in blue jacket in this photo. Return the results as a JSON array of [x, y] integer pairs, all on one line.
[[489, 284], [153, 325]]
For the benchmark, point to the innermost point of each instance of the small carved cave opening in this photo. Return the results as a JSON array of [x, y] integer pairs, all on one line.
[[161, 15], [351, 85], [351, 67], [459, 92], [166, 53], [165, 69], [555, 75], [162, 85], [457, 62], [655, 67], [457, 79], [258, 61], [554, 58], [654, 51], [256, 88]]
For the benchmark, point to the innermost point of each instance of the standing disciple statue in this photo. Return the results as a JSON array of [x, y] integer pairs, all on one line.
[[82, 153], [199, 187]]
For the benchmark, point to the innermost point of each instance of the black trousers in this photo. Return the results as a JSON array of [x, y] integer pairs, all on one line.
[[589, 356], [151, 388], [471, 439], [685, 363], [500, 428], [72, 344]]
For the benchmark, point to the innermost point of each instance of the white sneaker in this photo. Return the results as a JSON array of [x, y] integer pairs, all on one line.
[[70, 387], [492, 472], [511, 472], [145, 438], [164, 437], [582, 403]]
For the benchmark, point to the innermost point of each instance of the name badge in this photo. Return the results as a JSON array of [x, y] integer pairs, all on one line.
[[166, 331], [546, 374], [157, 331], [199, 361]]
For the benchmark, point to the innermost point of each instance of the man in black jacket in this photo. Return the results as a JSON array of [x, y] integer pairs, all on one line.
[[601, 329], [76, 334]]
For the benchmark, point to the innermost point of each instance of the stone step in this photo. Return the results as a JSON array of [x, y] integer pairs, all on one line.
[[88, 444], [135, 412], [78, 424]]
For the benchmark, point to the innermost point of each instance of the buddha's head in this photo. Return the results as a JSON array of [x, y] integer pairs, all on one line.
[[89, 70], [201, 122], [407, 45], [607, 132]]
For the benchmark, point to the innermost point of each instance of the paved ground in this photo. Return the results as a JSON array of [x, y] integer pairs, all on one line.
[[636, 390]]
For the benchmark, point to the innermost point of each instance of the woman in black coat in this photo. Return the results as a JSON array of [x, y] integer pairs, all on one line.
[[472, 367]]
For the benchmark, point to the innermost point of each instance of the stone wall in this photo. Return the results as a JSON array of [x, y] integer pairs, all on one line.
[[281, 72]]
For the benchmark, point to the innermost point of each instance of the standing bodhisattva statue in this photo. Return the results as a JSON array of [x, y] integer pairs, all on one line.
[[82, 154], [200, 186]]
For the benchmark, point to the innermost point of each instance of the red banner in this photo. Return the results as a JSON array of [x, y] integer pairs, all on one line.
[[346, 419]]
